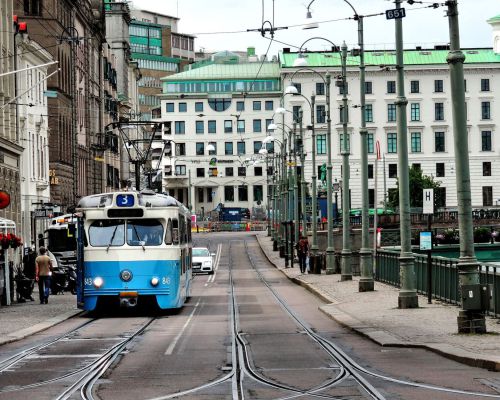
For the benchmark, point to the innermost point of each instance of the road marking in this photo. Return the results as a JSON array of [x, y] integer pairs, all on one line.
[[211, 278], [170, 348]]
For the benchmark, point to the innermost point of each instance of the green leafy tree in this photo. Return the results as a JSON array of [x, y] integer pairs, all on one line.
[[418, 182]]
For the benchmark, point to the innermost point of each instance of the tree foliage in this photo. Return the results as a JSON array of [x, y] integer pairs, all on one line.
[[418, 182]]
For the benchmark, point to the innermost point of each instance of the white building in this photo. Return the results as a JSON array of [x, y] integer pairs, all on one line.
[[429, 115], [33, 131], [227, 106]]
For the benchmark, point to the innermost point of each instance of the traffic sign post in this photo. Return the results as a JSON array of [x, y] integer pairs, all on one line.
[[426, 237]]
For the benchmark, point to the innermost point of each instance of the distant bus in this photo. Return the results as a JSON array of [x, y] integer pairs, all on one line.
[[231, 214]]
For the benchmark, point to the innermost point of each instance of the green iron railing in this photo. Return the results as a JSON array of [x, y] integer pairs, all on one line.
[[444, 277]]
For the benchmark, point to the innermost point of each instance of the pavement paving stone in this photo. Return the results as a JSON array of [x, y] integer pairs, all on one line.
[[376, 315]]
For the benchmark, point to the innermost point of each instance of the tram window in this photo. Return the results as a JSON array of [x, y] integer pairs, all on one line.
[[144, 232], [175, 231], [108, 232], [168, 235]]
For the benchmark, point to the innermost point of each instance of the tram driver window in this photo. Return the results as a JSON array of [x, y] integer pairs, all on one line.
[[168, 235], [175, 231], [144, 232], [108, 232]]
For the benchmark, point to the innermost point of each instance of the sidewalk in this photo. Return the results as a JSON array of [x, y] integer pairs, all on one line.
[[376, 316], [20, 320]]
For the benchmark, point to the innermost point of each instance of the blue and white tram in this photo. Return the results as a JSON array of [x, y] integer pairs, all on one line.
[[133, 246]]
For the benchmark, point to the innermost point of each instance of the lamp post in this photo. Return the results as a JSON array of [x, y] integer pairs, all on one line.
[[468, 273], [407, 294]]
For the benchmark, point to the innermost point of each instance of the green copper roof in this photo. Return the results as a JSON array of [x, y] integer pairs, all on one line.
[[494, 19], [142, 56], [411, 57], [229, 71]]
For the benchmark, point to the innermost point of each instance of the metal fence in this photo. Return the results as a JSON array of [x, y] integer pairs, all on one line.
[[444, 277]]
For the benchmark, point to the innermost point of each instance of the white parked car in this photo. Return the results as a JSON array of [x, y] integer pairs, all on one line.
[[203, 260]]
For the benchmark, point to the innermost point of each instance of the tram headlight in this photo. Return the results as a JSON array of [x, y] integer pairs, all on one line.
[[98, 282], [155, 281], [125, 275]]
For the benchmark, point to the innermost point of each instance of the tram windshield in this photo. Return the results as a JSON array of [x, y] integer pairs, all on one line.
[[111, 233], [144, 232], [107, 232]]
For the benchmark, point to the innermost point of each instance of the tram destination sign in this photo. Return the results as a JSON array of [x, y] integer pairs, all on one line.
[[396, 13]]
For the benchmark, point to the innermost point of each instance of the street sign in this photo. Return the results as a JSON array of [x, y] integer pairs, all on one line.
[[50, 93], [396, 13], [425, 240], [44, 213], [428, 202]]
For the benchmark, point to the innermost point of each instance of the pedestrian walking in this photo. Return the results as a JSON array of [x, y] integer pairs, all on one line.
[[43, 271], [302, 248]]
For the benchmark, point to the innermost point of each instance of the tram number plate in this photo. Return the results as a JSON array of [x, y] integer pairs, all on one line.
[[396, 13], [125, 200]]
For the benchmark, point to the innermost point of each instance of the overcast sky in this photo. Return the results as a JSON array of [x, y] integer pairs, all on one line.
[[422, 26]]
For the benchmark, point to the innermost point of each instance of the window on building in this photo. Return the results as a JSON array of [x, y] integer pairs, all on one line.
[[320, 88], [439, 143], [368, 87], [257, 145], [391, 112], [298, 86], [269, 105], [487, 168], [182, 107], [229, 193], [240, 106], [257, 106], [438, 85], [258, 193], [368, 112], [341, 114], [200, 127], [229, 171], [170, 107], [393, 170], [240, 126], [210, 194], [228, 126], [439, 111], [228, 148], [415, 111], [321, 144], [243, 193], [242, 171], [33, 7], [200, 172], [201, 196], [371, 198], [180, 149], [369, 138], [180, 170], [198, 106], [392, 143], [485, 85], [268, 122], [296, 112], [200, 148], [212, 126], [485, 110], [391, 86], [257, 171], [440, 172], [416, 142], [320, 114], [257, 125], [180, 127], [487, 196], [370, 171], [440, 197], [414, 86], [219, 104], [417, 166], [214, 151], [341, 145], [240, 148], [485, 140]]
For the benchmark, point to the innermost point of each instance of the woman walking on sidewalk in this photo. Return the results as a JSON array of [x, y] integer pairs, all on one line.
[[302, 252], [43, 272]]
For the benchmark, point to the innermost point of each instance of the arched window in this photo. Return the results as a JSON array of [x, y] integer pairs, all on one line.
[[221, 104]]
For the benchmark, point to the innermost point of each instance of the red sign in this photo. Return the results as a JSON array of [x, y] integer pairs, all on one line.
[[4, 199]]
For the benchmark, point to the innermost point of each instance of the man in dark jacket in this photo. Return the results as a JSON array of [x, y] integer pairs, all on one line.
[[302, 252]]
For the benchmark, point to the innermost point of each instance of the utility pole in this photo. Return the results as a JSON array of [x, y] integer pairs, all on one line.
[[302, 178], [314, 220], [366, 283], [330, 251], [408, 293], [469, 321], [346, 270]]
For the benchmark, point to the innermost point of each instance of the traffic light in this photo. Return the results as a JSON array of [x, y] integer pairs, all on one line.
[[4, 199]]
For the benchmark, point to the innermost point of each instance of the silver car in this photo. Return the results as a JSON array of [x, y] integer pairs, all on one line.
[[203, 260]]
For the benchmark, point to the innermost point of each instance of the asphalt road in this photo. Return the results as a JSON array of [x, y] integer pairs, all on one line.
[[247, 332]]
